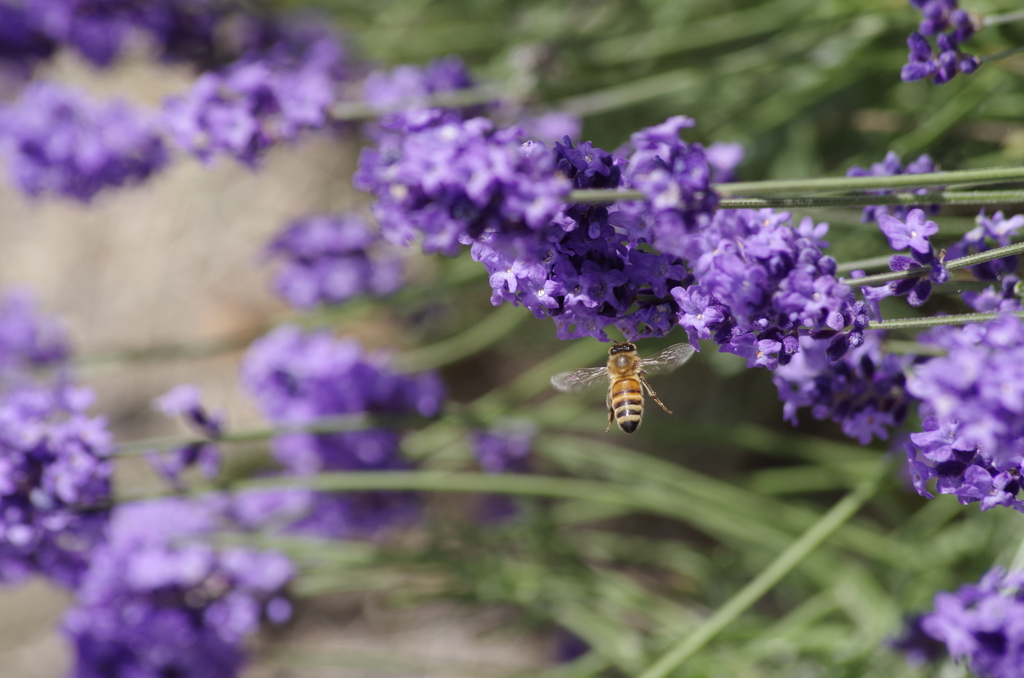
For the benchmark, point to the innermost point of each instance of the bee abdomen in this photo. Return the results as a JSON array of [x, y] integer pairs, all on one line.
[[627, 404]]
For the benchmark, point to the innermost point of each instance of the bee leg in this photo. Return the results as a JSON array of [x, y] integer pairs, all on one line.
[[650, 392]]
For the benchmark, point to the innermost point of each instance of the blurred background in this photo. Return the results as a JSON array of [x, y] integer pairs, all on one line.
[[165, 283]]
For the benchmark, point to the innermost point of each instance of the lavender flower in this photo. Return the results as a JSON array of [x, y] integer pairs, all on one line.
[[256, 102], [942, 15], [864, 391], [409, 87], [913, 234], [676, 178], [331, 259], [298, 378], [54, 483], [183, 401], [971, 400], [455, 182], [941, 64], [28, 339], [980, 622], [54, 140], [21, 45], [891, 166], [724, 157], [159, 600], [991, 232]]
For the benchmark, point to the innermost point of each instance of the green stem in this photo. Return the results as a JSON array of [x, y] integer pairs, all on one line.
[[985, 175], [996, 19], [768, 578], [911, 348], [952, 265], [937, 321], [1002, 54], [861, 264], [339, 424], [940, 198]]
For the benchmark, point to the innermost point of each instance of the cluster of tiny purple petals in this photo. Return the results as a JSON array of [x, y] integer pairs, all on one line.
[[864, 391], [990, 232], [942, 62], [99, 30], [55, 473], [760, 283], [55, 140], [456, 182], [675, 176], [972, 401], [159, 600], [409, 87], [944, 15], [891, 166], [983, 623], [912, 233], [28, 339], [184, 401], [298, 378], [331, 259], [258, 101]]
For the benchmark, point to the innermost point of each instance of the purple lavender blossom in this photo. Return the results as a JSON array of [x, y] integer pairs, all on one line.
[[258, 101], [991, 232], [55, 140], [892, 166], [980, 622], [676, 178], [160, 600], [913, 234], [455, 182], [724, 157], [299, 378], [331, 259], [99, 29], [409, 87], [28, 339], [971, 401], [942, 15], [183, 401], [54, 483], [942, 63], [864, 391], [21, 45]]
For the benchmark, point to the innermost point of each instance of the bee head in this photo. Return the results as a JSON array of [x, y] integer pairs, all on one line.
[[621, 347]]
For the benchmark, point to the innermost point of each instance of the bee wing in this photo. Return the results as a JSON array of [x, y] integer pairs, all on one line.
[[667, 360], [581, 379]]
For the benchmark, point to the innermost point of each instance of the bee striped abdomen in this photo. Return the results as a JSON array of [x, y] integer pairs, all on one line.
[[627, 403]]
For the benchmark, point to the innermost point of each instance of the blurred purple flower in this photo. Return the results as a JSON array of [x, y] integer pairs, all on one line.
[[982, 622], [55, 140], [259, 100], [160, 600], [28, 339], [409, 87], [724, 157], [54, 482], [333, 258], [183, 401], [299, 378]]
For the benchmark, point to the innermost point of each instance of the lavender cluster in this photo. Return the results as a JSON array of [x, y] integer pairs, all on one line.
[[55, 471], [330, 259], [28, 339], [300, 378], [760, 283], [160, 600], [982, 623], [951, 26], [409, 87], [912, 234], [262, 99], [892, 166], [990, 232], [864, 391], [184, 401], [55, 140], [972, 401]]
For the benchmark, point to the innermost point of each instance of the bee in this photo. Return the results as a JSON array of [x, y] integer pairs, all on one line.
[[626, 372]]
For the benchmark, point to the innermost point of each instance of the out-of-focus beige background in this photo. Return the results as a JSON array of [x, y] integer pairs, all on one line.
[[176, 261]]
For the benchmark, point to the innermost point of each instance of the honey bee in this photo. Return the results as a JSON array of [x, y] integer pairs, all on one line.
[[625, 372]]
